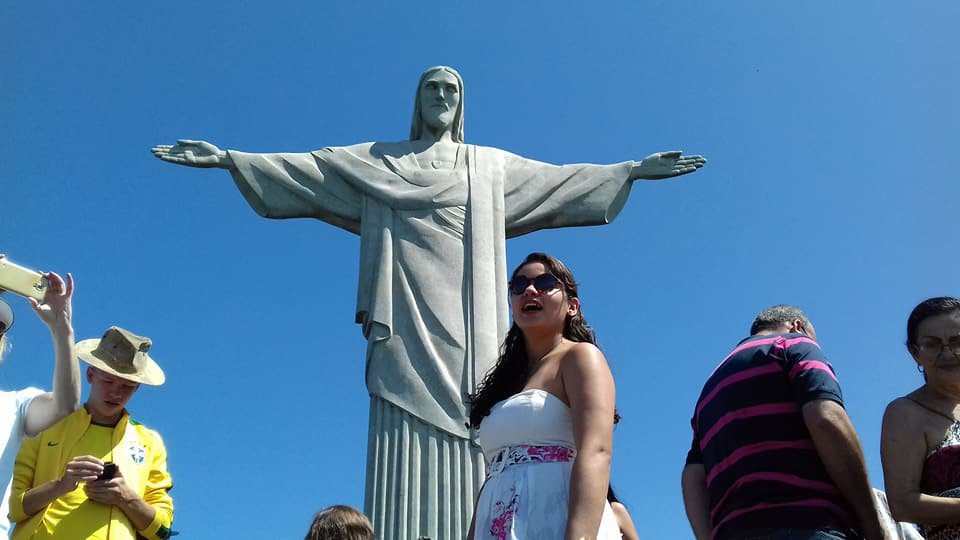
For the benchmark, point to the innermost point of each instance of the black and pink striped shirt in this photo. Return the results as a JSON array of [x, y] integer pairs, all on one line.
[[762, 470]]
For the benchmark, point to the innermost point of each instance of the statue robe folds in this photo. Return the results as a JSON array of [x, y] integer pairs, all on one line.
[[431, 296], [432, 289]]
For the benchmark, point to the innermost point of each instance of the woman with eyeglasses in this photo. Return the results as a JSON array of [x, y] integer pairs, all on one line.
[[920, 442], [545, 416]]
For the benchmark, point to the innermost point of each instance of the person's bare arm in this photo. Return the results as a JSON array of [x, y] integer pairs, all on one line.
[[56, 312], [837, 443], [627, 530], [903, 451], [589, 387], [696, 500]]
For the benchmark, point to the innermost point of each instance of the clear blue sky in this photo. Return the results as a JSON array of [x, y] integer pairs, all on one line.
[[831, 130]]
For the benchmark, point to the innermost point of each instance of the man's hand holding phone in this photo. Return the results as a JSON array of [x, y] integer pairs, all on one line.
[[56, 311], [80, 469], [21, 280], [110, 487], [48, 293]]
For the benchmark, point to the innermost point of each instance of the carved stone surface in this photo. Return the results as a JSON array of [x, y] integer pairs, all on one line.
[[433, 214]]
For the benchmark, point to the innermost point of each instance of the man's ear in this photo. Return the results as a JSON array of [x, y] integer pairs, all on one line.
[[89, 375], [797, 327]]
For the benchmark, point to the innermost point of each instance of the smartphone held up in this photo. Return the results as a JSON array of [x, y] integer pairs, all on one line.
[[109, 471], [23, 281]]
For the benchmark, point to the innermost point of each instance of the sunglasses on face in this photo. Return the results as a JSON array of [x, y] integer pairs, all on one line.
[[542, 283]]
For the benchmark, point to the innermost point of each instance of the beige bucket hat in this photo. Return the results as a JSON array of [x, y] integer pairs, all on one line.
[[124, 354]]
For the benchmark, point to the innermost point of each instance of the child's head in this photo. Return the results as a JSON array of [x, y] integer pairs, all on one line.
[[340, 522]]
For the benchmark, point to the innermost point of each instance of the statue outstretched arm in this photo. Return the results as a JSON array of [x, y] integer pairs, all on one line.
[[193, 154], [278, 186], [665, 165]]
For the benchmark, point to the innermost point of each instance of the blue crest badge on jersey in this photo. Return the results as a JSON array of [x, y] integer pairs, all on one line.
[[138, 452]]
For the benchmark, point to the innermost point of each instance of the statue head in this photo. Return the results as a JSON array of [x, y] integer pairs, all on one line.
[[443, 108]]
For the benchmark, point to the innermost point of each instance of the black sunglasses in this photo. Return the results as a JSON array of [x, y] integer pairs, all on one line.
[[542, 283]]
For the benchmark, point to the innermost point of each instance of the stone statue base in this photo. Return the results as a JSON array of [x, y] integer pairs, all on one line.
[[421, 482]]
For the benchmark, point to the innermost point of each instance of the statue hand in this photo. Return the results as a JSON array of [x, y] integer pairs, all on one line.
[[193, 154], [666, 165]]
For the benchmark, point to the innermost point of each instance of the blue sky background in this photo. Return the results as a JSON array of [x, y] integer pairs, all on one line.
[[830, 129]]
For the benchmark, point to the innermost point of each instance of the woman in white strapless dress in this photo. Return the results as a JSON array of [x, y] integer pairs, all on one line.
[[545, 415]]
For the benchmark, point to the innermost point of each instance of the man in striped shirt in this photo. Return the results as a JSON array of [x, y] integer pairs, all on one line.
[[774, 455]]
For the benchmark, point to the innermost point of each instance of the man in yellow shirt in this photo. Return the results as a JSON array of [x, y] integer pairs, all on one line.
[[97, 474]]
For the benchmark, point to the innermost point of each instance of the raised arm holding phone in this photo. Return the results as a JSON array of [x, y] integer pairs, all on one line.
[[28, 411]]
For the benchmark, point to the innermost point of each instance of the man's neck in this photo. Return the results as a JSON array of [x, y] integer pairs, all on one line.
[[775, 331], [101, 420]]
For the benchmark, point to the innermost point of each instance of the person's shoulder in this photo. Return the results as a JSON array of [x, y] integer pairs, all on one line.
[[583, 356], [582, 349], [136, 423], [144, 430], [799, 348], [56, 430], [903, 408], [22, 396], [30, 392], [800, 343]]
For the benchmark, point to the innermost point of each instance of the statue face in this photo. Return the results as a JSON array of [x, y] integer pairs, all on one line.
[[439, 99]]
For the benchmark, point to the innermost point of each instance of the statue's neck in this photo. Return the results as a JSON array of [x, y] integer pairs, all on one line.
[[429, 144], [432, 135]]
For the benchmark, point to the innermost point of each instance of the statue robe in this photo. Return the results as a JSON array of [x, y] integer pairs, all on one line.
[[431, 295], [432, 289]]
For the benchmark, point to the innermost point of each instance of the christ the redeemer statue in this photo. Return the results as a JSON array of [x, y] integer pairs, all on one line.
[[433, 214]]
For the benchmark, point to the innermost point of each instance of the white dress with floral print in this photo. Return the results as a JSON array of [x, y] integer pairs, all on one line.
[[528, 445]]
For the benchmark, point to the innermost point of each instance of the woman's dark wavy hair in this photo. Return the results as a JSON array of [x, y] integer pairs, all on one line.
[[512, 369], [612, 496], [931, 307]]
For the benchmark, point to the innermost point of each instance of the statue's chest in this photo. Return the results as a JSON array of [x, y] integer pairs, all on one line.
[[439, 157], [441, 168]]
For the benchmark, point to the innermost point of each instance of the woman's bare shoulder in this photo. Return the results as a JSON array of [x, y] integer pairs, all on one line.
[[904, 414], [583, 352], [905, 404]]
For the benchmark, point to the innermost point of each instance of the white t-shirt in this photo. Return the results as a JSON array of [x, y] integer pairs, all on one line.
[[13, 412]]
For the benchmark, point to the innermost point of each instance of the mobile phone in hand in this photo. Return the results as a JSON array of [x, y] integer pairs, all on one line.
[[22, 281], [109, 471]]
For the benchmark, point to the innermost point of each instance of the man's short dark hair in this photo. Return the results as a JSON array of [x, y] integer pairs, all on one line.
[[776, 316]]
